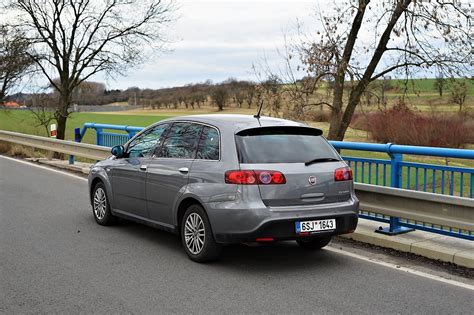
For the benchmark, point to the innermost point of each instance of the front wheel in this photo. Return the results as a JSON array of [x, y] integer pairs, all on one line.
[[196, 236], [100, 206], [315, 243]]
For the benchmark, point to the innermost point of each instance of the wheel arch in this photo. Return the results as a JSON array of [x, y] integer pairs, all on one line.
[[100, 177], [183, 206]]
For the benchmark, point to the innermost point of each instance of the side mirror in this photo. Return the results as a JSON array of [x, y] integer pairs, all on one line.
[[118, 151]]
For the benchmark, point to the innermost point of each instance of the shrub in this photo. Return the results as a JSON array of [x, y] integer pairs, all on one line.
[[317, 116], [5, 147], [359, 121], [16, 150], [402, 125]]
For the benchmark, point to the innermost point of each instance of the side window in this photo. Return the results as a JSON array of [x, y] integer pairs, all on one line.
[[208, 148], [144, 145], [181, 141]]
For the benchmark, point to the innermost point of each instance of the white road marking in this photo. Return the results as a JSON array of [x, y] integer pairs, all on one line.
[[331, 249], [44, 167], [401, 268]]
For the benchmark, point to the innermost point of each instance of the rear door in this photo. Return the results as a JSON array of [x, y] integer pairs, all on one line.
[[305, 158], [167, 174]]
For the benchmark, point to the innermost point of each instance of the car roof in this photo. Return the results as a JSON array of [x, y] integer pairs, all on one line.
[[237, 122]]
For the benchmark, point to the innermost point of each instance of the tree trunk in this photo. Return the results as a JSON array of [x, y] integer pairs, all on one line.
[[61, 128], [337, 103], [340, 120], [62, 113]]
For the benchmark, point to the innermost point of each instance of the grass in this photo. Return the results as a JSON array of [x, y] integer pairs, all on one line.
[[23, 121], [426, 86]]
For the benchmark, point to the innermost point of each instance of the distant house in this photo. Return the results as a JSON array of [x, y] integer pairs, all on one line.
[[11, 105]]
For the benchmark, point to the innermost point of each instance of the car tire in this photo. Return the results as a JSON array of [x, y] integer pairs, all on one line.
[[196, 236], [315, 243], [101, 206]]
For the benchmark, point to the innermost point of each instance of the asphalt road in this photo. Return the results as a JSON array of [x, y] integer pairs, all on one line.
[[55, 258]]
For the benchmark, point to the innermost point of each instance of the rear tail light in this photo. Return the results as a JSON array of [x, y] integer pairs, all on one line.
[[250, 177], [342, 174]]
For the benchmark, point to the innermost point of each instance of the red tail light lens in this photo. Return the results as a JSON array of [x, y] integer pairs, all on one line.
[[250, 177], [342, 174], [240, 177]]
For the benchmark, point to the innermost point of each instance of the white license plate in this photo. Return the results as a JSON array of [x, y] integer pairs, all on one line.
[[315, 226]]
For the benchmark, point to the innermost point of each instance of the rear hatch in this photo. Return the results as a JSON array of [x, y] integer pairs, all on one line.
[[305, 158]]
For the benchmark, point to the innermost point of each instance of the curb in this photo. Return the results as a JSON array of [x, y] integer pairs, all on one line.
[[62, 164], [429, 245]]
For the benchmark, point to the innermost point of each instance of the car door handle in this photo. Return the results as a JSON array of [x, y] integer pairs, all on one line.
[[184, 170], [143, 167]]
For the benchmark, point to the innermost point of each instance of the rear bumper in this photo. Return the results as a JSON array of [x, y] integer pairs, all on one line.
[[281, 230], [233, 225]]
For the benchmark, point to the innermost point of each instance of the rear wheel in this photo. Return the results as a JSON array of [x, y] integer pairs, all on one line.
[[100, 206], [196, 236], [315, 243]]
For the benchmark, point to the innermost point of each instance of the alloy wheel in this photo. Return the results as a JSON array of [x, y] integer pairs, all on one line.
[[100, 203], [194, 233]]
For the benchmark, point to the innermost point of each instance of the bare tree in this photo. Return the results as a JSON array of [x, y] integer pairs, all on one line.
[[219, 96], [273, 94], [14, 61], [250, 94], [405, 36], [299, 93], [74, 40], [383, 85], [41, 107], [439, 84], [459, 93], [43, 116], [239, 97]]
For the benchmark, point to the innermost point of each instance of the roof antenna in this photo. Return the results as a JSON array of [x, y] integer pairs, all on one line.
[[259, 110]]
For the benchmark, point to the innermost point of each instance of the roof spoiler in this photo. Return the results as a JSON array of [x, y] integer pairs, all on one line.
[[277, 130]]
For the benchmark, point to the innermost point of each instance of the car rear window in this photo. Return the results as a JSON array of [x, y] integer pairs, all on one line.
[[282, 145]]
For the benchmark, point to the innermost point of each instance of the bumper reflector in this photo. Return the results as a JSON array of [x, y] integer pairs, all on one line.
[[264, 239]]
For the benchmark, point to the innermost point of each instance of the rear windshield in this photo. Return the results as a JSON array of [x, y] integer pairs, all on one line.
[[283, 146]]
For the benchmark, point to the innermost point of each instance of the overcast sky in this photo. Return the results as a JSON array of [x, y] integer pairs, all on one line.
[[217, 39]]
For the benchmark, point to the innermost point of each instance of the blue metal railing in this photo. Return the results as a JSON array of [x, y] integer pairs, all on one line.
[[435, 178], [392, 172], [103, 138]]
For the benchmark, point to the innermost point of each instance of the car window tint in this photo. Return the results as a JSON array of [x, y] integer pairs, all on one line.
[[144, 145], [181, 141], [208, 148], [283, 148]]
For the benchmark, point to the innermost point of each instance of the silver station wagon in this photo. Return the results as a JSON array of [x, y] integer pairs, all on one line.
[[223, 179]]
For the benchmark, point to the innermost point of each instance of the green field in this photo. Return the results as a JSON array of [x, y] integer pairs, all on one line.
[[426, 86], [23, 121]]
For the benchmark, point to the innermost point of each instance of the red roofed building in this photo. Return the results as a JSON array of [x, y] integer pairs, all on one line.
[[11, 104]]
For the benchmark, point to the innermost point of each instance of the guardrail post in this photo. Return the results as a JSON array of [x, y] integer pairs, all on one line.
[[77, 138], [396, 182], [130, 134], [98, 136], [396, 170]]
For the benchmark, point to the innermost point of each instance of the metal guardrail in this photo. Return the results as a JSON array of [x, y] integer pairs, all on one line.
[[62, 146], [396, 173], [447, 215]]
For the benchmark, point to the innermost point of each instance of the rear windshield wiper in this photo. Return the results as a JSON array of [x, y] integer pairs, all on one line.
[[320, 160]]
